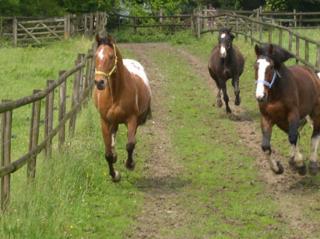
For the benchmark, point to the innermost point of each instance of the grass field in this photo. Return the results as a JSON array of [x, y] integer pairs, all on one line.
[[220, 193]]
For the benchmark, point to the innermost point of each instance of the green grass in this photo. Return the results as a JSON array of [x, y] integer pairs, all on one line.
[[72, 196], [224, 196]]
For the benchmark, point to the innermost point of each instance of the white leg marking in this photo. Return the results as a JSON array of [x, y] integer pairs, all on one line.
[[272, 162], [113, 140], [314, 148], [263, 64], [298, 157]]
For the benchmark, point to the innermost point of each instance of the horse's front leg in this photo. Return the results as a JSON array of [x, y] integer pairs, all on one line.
[[296, 159], [313, 164], [225, 97], [108, 133], [235, 84], [266, 127], [132, 129]]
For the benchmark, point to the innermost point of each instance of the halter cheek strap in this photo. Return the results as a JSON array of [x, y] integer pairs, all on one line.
[[266, 83]]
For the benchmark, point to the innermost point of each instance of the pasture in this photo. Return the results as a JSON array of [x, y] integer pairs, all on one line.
[[199, 174]]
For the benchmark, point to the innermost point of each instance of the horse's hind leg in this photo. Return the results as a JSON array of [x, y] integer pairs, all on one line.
[[235, 84], [109, 148], [226, 97], [313, 164], [132, 129]]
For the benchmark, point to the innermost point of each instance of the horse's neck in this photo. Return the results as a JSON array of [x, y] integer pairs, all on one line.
[[282, 85]]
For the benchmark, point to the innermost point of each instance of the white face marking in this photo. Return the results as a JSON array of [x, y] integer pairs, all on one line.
[[318, 74], [100, 54], [223, 51], [223, 35], [263, 64], [137, 69]]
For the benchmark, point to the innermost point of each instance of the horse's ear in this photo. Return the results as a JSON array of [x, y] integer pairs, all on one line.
[[98, 39], [110, 39], [257, 49], [279, 55], [232, 36]]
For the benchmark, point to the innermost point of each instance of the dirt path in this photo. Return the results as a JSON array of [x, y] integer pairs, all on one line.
[[289, 190], [160, 210]]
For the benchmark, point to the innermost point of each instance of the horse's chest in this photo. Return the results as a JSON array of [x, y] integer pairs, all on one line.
[[274, 111]]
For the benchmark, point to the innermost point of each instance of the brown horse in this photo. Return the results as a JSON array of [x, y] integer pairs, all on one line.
[[226, 62], [122, 95], [286, 95]]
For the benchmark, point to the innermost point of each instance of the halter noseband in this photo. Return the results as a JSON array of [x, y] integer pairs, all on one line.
[[108, 75], [266, 83]]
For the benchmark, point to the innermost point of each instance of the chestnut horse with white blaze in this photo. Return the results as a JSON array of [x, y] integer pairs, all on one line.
[[286, 96], [122, 95]]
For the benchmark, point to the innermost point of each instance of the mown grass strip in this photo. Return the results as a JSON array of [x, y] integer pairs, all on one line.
[[224, 198]]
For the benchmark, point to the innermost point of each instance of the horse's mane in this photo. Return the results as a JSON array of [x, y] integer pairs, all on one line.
[[276, 53]]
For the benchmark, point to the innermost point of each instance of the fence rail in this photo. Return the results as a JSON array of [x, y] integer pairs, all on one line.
[[22, 30], [83, 72], [300, 46]]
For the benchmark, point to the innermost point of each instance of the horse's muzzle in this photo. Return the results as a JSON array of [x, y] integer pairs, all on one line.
[[100, 84], [262, 99]]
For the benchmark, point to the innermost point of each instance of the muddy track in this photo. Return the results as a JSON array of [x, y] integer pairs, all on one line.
[[161, 180], [290, 191]]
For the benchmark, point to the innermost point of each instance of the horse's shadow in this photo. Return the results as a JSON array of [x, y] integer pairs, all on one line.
[[306, 184], [244, 116], [161, 185]]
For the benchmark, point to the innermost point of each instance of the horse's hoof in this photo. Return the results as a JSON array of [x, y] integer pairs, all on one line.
[[313, 168], [228, 110], [130, 165], [302, 170], [279, 170], [237, 101], [117, 177], [219, 103]]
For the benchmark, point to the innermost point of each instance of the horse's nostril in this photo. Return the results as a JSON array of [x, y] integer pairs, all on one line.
[[100, 84]]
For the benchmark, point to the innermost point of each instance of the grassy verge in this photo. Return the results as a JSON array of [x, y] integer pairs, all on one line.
[[72, 196], [224, 199]]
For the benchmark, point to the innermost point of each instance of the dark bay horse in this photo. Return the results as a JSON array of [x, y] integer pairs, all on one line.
[[286, 95], [122, 95], [226, 62]]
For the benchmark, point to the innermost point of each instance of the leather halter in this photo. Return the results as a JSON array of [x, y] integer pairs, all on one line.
[[108, 75], [266, 83]]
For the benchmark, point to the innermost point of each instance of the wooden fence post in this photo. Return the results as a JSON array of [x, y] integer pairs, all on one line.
[[280, 37], [88, 72], [49, 119], [270, 35], [198, 26], [306, 51], [251, 33], [67, 26], [62, 110], [290, 41], [134, 25], [260, 32], [34, 136], [15, 31], [295, 17], [318, 58], [297, 48], [81, 75], [75, 97], [5, 156]]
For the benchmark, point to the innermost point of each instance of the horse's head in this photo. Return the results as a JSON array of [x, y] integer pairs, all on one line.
[[106, 60], [225, 41], [269, 59]]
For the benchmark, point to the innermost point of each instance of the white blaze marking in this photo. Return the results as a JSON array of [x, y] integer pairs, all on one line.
[[223, 51], [100, 54], [318, 74], [137, 69], [223, 35], [263, 64]]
